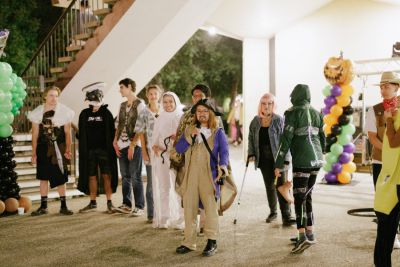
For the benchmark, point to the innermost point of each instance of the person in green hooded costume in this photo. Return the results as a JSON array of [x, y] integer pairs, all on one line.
[[304, 136]]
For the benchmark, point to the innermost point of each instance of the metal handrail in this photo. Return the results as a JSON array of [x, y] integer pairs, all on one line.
[[53, 29]]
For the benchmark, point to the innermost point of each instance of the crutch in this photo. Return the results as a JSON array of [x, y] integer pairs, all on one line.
[[241, 189]]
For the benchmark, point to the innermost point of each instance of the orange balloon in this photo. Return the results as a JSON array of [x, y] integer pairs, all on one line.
[[327, 129], [330, 119], [26, 203], [343, 100], [344, 177], [347, 90], [349, 167], [2, 207], [336, 110], [11, 204]]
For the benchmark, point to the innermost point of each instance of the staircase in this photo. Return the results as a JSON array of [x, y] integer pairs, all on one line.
[[27, 181], [69, 44]]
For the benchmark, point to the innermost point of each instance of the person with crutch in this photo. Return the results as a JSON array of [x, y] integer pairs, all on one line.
[[304, 136], [264, 133]]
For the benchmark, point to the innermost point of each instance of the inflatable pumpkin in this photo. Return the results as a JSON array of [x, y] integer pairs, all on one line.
[[338, 71]]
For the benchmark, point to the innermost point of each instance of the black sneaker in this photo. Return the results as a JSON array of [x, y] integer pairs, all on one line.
[[88, 208], [66, 211], [40, 211], [301, 245], [288, 221], [183, 250], [271, 217], [211, 248], [110, 208]]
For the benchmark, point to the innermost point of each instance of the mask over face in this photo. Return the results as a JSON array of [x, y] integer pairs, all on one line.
[[95, 97]]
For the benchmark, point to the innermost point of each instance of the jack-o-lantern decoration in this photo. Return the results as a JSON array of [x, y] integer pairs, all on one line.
[[338, 71]]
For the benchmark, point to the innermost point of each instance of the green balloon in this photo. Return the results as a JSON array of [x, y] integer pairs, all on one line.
[[7, 97], [22, 94], [5, 106], [6, 84], [336, 149], [5, 70], [327, 90], [331, 158], [327, 167], [14, 77], [3, 118], [10, 117], [348, 129], [2, 96], [5, 130], [344, 139]]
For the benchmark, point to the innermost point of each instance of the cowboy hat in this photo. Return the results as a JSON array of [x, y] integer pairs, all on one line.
[[389, 77], [206, 103]]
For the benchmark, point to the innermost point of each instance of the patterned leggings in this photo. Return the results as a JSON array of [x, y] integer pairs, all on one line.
[[303, 184]]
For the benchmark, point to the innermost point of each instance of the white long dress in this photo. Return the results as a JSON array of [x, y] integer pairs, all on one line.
[[167, 203]]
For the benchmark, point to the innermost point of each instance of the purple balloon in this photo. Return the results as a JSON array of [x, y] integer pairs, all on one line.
[[326, 110], [349, 148], [336, 168], [344, 158], [336, 90], [330, 178], [330, 101]]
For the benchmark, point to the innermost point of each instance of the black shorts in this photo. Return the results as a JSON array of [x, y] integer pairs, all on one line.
[[98, 158]]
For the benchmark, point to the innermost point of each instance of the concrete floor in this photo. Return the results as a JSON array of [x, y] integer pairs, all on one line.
[[99, 239]]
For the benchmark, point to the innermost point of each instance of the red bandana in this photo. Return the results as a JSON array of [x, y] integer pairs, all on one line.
[[389, 104]]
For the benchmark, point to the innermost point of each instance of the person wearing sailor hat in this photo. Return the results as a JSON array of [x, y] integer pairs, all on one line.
[[96, 134]]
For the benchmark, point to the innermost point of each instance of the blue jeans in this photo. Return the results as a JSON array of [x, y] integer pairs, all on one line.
[[149, 193], [131, 172]]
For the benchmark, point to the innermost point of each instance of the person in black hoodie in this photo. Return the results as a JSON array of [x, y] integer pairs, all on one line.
[[96, 151]]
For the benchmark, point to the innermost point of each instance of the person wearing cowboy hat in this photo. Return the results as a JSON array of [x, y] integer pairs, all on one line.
[[376, 120], [96, 151], [201, 183]]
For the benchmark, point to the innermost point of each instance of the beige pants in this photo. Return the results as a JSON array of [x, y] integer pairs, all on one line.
[[199, 188]]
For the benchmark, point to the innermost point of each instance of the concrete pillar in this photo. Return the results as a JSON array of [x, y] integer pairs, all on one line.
[[255, 79]]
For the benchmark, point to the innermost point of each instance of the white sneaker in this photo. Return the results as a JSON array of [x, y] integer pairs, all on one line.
[[396, 244], [136, 212]]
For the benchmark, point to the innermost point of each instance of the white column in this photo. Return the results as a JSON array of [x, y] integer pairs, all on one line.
[[255, 79]]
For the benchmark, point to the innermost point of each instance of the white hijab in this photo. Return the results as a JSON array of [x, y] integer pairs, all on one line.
[[167, 123]]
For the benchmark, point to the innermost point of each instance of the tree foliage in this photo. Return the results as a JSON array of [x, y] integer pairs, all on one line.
[[28, 21], [213, 60]]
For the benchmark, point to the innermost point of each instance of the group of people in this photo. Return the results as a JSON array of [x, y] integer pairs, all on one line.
[[172, 143]]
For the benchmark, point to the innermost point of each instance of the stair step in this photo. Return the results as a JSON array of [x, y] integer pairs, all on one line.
[[23, 165], [22, 148], [28, 177], [73, 48], [53, 195], [65, 59], [102, 12], [110, 2], [23, 153], [29, 171], [92, 24], [22, 159], [83, 36], [22, 137], [57, 70], [50, 80]]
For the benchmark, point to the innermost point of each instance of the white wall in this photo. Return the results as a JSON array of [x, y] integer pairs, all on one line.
[[362, 29], [255, 78]]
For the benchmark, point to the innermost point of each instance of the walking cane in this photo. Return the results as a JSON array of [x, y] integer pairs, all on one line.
[[241, 189]]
